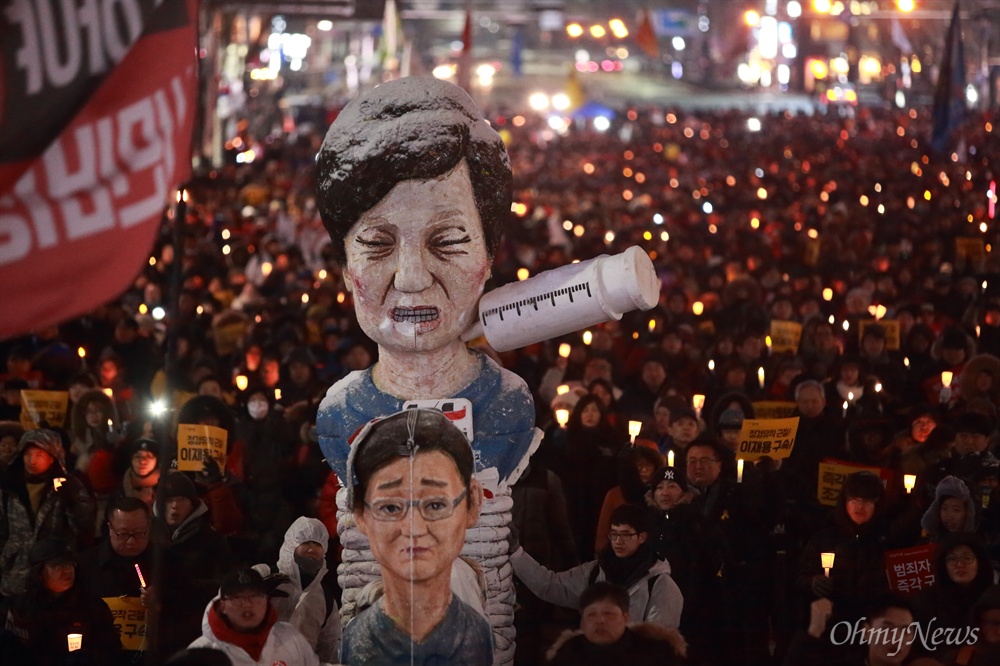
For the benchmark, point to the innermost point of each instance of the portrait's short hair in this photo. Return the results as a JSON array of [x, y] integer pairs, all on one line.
[[605, 591], [405, 435], [409, 129], [636, 517]]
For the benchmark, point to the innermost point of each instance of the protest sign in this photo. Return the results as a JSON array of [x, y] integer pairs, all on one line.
[[891, 327], [785, 336], [43, 407], [196, 443], [130, 621], [832, 474], [773, 409], [909, 569], [767, 437]]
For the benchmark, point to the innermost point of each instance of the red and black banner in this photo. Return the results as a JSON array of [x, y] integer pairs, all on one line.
[[97, 102]]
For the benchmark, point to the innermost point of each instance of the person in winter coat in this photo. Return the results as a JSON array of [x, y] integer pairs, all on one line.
[[94, 428], [54, 605], [629, 561], [636, 466], [143, 473], [962, 573], [311, 605], [199, 555], [606, 637], [951, 511], [38, 499], [242, 622], [858, 542]]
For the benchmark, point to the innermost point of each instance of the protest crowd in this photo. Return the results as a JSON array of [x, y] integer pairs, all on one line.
[[824, 268]]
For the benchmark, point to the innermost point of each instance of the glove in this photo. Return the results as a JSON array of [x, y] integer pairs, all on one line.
[[211, 473], [822, 586], [513, 539]]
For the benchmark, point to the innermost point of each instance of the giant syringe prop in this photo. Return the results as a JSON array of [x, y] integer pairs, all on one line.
[[566, 299]]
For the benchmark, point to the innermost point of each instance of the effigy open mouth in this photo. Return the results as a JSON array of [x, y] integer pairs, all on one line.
[[415, 315]]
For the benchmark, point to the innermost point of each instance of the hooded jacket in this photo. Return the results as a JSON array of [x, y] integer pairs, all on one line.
[[284, 645], [86, 440], [645, 644], [306, 607], [66, 512], [660, 603], [949, 486]]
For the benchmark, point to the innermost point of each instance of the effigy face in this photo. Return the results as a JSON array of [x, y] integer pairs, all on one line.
[[417, 263]]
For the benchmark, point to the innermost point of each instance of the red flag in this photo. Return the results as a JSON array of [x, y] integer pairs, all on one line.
[[89, 160], [646, 37]]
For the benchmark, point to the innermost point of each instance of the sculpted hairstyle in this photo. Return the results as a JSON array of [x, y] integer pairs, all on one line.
[[392, 438], [409, 129]]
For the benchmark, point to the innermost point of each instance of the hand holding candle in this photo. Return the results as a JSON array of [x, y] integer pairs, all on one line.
[[739, 470], [562, 417], [74, 642], [633, 430], [698, 401], [138, 571], [909, 482]]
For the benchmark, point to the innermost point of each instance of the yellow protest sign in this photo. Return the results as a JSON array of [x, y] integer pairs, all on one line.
[[773, 409], [891, 327], [773, 438], [130, 621], [48, 407], [832, 474], [196, 443], [785, 336]]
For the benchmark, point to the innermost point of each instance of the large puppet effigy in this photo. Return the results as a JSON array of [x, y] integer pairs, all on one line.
[[414, 187]]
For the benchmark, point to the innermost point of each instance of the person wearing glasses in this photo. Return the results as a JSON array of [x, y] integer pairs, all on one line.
[[628, 560], [242, 623], [37, 623], [413, 496]]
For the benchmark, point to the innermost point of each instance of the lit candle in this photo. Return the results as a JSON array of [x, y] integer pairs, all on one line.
[[878, 387], [698, 400], [138, 571], [277, 394], [711, 364], [83, 352], [562, 389], [906, 361], [670, 458], [850, 397], [827, 561], [111, 425], [633, 429], [588, 337], [242, 382], [828, 294], [909, 482], [697, 308], [108, 392], [739, 470], [760, 376], [74, 642], [946, 378], [845, 408], [562, 417], [564, 350], [652, 325]]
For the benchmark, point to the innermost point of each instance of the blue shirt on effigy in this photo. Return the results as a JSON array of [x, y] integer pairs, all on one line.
[[503, 415]]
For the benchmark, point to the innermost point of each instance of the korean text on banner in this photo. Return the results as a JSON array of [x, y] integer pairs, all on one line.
[[196, 443], [96, 115], [833, 473], [785, 336], [773, 438], [130, 621], [773, 409], [909, 569], [43, 409]]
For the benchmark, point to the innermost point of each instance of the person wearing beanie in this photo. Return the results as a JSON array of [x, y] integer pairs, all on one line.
[[858, 541], [951, 511], [963, 571], [54, 604], [241, 621], [311, 604], [199, 555], [627, 560], [38, 500], [143, 473], [971, 453], [699, 560]]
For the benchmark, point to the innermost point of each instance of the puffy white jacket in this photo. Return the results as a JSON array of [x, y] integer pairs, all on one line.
[[285, 645], [305, 609], [662, 605]]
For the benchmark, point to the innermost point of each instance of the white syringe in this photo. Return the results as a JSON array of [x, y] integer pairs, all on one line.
[[566, 299]]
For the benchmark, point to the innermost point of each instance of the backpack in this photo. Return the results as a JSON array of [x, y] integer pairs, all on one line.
[[650, 582]]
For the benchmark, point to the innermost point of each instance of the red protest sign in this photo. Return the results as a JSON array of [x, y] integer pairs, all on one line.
[[909, 569]]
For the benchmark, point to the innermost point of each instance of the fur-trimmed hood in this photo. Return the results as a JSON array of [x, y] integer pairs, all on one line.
[[646, 630], [949, 486], [967, 380]]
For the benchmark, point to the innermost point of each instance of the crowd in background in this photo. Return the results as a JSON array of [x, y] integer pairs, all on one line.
[[240, 320]]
